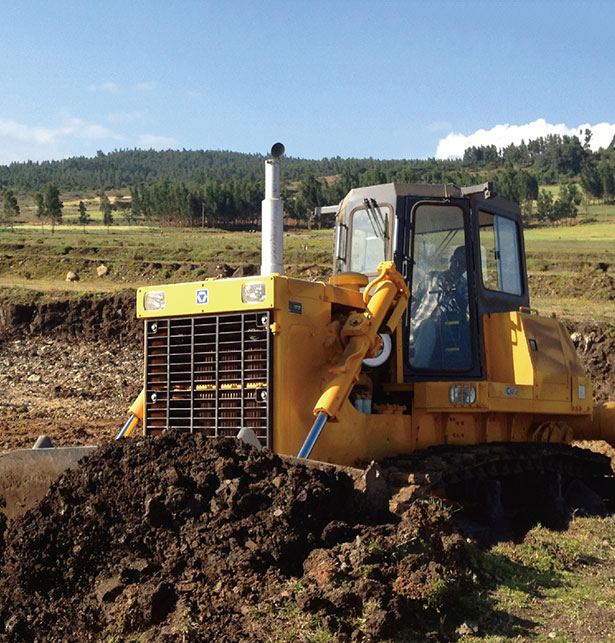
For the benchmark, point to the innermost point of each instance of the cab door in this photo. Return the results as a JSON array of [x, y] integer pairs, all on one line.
[[441, 334]]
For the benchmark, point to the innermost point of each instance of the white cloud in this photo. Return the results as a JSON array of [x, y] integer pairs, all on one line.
[[72, 137], [146, 85], [17, 132], [454, 145], [20, 142], [150, 141], [80, 129], [104, 87]]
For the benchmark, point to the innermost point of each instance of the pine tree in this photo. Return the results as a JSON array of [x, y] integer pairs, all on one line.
[[106, 209], [52, 204], [10, 207], [84, 217], [39, 200]]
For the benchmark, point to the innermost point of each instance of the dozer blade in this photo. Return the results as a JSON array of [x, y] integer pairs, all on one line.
[[27, 474]]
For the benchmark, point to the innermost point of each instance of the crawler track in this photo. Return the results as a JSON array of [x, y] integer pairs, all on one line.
[[499, 489]]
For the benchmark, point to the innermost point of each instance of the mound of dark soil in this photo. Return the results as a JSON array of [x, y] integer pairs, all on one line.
[[595, 344], [187, 538], [90, 317]]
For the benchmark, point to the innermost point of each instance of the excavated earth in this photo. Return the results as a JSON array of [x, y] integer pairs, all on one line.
[[188, 537], [179, 538]]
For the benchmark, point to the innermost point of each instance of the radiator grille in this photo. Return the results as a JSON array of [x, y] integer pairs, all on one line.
[[209, 374]]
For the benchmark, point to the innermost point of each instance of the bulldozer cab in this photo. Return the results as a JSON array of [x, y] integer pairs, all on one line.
[[461, 253]]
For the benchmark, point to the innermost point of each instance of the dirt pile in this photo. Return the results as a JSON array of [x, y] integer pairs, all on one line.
[[595, 344], [185, 538], [90, 317]]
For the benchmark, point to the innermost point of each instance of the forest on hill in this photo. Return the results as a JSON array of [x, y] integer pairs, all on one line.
[[223, 188]]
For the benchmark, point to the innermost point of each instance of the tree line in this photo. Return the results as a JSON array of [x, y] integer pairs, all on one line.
[[49, 208], [225, 189], [554, 159], [237, 203]]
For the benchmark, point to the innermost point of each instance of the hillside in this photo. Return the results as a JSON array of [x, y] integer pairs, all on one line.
[[125, 168], [549, 160], [224, 189]]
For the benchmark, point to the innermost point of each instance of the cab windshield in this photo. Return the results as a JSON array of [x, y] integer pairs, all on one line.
[[370, 237]]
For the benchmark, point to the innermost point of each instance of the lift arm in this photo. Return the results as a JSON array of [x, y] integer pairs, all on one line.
[[386, 299]]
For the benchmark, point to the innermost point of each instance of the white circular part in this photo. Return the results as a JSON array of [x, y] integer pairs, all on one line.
[[383, 355]]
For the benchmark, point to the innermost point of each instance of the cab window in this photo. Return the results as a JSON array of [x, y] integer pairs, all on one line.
[[370, 238], [499, 254]]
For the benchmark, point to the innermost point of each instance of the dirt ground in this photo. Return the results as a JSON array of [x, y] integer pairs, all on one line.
[[70, 370], [180, 538]]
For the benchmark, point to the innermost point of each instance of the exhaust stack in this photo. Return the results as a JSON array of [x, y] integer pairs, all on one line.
[[272, 253]]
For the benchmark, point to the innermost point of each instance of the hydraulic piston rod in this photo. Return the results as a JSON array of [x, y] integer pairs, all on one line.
[[135, 415], [312, 436]]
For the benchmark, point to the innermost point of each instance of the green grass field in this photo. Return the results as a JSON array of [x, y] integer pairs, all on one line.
[[571, 267], [34, 259], [601, 232]]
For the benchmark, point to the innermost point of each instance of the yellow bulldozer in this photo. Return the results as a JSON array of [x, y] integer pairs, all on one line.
[[420, 354]]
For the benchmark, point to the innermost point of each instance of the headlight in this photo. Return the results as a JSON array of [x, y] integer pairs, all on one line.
[[253, 292], [154, 300], [462, 394]]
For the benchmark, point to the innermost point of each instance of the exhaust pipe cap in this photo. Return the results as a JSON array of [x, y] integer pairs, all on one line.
[[277, 150]]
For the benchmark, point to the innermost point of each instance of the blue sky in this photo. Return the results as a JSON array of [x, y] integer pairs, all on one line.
[[349, 78]]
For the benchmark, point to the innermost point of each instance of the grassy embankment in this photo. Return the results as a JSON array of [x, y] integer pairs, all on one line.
[[571, 268], [554, 586]]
